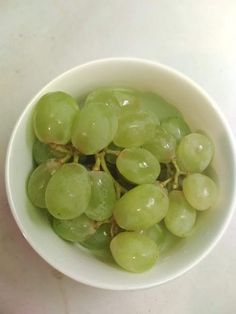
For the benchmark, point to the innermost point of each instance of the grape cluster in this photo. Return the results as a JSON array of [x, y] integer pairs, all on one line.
[[122, 174]]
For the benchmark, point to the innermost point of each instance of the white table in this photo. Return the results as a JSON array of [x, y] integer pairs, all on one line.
[[39, 40]]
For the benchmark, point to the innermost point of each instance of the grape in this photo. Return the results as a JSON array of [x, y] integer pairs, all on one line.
[[68, 191], [94, 128], [133, 251], [103, 196], [104, 96], [194, 152], [42, 152], [138, 165], [181, 216], [176, 126], [157, 106], [124, 98], [127, 98], [162, 145], [38, 181], [200, 191], [134, 128], [100, 239], [161, 236], [74, 230], [53, 117], [141, 207]]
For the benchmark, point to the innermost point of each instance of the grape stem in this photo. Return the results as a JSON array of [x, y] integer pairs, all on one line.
[[178, 172], [164, 183], [60, 148], [119, 188], [114, 228], [75, 158], [65, 159], [113, 152], [97, 164]]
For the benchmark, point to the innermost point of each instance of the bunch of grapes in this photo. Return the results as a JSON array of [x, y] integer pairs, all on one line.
[[121, 174]]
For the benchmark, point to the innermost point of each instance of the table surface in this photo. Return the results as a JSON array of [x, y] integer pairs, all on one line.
[[41, 39]]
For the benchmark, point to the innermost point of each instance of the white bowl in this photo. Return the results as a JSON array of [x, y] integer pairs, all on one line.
[[199, 110]]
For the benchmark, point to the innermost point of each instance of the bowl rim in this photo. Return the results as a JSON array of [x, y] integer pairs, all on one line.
[[226, 127]]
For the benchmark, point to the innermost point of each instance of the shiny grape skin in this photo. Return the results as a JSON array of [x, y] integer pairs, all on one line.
[[68, 191], [54, 116], [134, 252]]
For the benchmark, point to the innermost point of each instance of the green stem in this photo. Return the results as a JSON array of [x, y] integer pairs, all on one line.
[[97, 164], [164, 183], [118, 187], [178, 172], [113, 152], [65, 159], [60, 148], [75, 158]]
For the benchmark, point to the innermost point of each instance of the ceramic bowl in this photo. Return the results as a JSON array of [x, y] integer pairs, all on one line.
[[199, 110]]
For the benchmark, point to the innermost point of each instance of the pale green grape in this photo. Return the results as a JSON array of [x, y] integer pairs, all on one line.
[[74, 230], [194, 152], [115, 96], [200, 191], [103, 196], [53, 117], [181, 216], [104, 96], [38, 182], [94, 128], [176, 126], [162, 145], [157, 106], [133, 251], [134, 128], [161, 236], [127, 98], [100, 239], [141, 207], [138, 165], [42, 152], [68, 191]]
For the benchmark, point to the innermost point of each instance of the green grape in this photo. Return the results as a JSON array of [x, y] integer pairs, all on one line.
[[134, 128], [74, 230], [200, 191], [122, 98], [127, 98], [53, 117], [161, 236], [138, 165], [157, 106], [104, 255], [181, 216], [38, 182], [104, 96], [194, 152], [141, 207], [100, 239], [175, 126], [68, 191], [103, 196], [162, 145], [42, 152], [134, 252], [94, 128]]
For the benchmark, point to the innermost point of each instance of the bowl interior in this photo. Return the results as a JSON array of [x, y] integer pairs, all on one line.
[[198, 111]]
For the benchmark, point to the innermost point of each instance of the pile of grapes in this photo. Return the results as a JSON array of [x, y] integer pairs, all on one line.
[[120, 173]]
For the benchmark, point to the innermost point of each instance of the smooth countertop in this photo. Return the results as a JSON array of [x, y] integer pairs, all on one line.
[[41, 39]]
